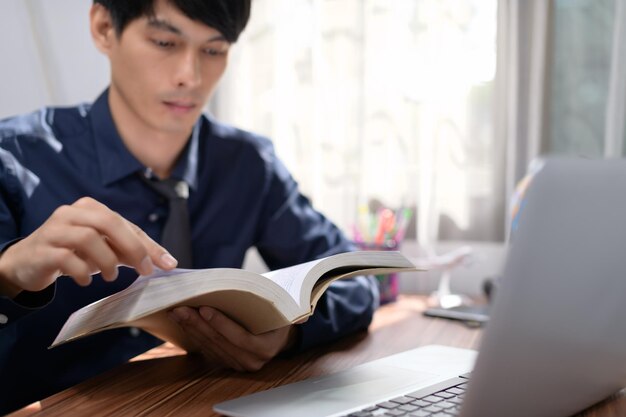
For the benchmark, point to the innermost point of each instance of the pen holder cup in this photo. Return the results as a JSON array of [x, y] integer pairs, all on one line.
[[388, 283]]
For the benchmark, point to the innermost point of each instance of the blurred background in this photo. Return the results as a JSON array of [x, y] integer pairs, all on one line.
[[436, 107]]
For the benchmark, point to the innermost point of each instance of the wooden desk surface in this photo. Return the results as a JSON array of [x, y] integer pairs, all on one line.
[[165, 381]]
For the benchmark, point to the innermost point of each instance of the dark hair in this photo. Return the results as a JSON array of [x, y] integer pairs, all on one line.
[[229, 17]]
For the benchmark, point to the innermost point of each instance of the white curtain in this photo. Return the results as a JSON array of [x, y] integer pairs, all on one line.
[[379, 100]]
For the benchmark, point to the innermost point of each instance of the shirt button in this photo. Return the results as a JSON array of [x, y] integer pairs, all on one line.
[[153, 217], [3, 319], [134, 332]]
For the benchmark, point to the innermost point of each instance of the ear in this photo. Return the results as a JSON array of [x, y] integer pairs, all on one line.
[[102, 29]]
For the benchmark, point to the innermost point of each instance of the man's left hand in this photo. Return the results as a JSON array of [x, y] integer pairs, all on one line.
[[226, 343]]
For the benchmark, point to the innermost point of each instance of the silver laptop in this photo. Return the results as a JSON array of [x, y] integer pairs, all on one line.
[[556, 342]]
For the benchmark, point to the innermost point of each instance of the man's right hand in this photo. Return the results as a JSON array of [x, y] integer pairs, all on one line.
[[79, 240]]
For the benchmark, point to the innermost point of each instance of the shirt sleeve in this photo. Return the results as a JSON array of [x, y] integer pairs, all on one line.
[[291, 232], [11, 310]]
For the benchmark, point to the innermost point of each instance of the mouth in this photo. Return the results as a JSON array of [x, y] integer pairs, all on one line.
[[180, 106]]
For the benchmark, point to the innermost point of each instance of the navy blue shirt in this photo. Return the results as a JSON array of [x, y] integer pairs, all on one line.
[[240, 196]]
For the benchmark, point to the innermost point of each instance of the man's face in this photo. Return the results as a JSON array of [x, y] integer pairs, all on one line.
[[164, 68]]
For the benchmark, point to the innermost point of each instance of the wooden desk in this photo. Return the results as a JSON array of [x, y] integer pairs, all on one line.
[[164, 381]]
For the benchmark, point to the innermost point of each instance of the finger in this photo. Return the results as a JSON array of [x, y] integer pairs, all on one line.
[[72, 266], [157, 253], [209, 339], [210, 350], [121, 237], [194, 345], [130, 246], [93, 268], [92, 248], [261, 346], [87, 212], [188, 319], [256, 350]]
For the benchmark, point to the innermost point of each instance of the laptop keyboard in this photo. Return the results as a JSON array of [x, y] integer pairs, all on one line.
[[439, 400]]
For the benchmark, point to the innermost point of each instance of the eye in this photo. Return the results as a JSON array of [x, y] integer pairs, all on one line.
[[214, 52], [163, 44]]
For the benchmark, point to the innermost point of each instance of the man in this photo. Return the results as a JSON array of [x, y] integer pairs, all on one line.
[[77, 198]]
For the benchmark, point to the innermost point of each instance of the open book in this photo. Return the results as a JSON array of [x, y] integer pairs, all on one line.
[[259, 302]]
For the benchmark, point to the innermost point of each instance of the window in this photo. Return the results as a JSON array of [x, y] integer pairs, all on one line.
[[579, 71], [375, 100]]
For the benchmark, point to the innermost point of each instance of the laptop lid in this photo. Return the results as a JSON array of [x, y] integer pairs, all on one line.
[[556, 342]]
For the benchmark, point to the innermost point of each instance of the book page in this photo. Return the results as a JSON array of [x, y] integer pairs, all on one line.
[[160, 273], [291, 278], [299, 280], [350, 264]]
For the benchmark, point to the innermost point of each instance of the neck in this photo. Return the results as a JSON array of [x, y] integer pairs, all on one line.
[[156, 149]]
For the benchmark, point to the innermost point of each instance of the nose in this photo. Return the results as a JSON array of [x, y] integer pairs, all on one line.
[[188, 72]]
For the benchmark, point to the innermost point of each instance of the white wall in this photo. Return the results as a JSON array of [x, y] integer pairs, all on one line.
[[48, 57]]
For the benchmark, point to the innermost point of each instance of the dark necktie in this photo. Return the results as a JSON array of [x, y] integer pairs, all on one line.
[[176, 234]]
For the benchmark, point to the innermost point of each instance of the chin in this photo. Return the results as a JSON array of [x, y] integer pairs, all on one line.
[[176, 128], [175, 125]]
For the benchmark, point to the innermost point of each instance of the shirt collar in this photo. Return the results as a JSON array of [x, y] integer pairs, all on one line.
[[116, 162]]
